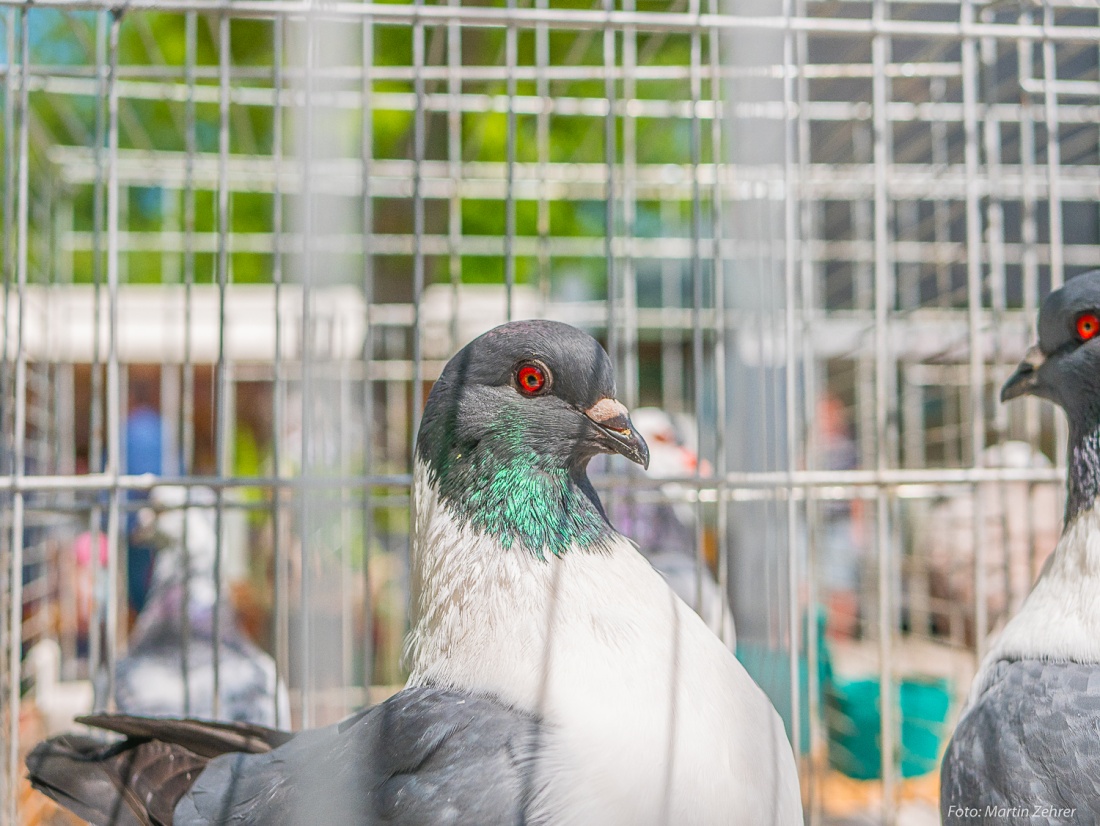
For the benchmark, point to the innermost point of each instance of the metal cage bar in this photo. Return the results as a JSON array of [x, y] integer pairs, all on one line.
[[774, 216]]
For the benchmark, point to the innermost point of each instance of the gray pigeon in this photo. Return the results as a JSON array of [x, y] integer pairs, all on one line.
[[555, 677], [1027, 748], [150, 680]]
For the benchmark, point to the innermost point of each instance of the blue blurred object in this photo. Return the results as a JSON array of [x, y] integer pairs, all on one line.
[[143, 455], [143, 441]]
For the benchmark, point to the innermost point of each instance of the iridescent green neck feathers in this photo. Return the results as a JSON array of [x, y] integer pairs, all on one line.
[[520, 497]]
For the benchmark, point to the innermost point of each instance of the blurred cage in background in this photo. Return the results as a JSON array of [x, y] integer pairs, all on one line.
[[240, 240]]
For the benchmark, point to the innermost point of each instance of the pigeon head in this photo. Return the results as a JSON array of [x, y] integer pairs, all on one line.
[[1064, 367], [510, 426], [173, 514]]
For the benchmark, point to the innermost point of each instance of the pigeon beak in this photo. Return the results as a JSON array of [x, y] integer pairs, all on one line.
[[1026, 378], [618, 434]]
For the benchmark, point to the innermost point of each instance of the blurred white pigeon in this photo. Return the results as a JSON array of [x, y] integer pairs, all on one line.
[[150, 678]]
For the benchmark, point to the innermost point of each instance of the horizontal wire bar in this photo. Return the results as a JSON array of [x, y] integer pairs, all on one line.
[[468, 73], [168, 168], [147, 481], [528, 246], [889, 477], [383, 14], [897, 111]]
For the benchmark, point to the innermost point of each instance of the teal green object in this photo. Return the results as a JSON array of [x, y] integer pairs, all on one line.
[[770, 668], [853, 721]]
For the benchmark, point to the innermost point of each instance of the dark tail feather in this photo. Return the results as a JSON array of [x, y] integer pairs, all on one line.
[[204, 737], [132, 783]]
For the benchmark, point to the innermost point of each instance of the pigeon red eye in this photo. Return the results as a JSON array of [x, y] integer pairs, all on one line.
[[1088, 325], [531, 379]]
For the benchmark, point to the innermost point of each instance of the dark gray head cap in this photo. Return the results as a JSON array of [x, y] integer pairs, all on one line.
[[581, 372], [1061, 309]]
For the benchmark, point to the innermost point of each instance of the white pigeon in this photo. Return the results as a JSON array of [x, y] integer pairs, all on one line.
[[150, 679], [664, 529], [1027, 748], [555, 677], [526, 592]]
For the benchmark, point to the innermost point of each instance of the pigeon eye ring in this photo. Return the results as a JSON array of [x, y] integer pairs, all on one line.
[[1088, 325], [532, 378]]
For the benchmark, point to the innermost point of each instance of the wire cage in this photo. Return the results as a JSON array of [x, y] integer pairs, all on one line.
[[241, 239]]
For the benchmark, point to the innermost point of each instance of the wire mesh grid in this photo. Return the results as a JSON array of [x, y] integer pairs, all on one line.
[[814, 233]]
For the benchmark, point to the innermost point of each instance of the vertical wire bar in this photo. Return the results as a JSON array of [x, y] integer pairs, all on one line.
[[66, 441], [542, 130], [991, 126], [790, 376], [698, 297], [6, 262], [95, 447], [721, 319], [222, 441], [419, 140], [1054, 191], [510, 169], [809, 400], [940, 211], [1028, 233], [611, 156], [454, 173], [974, 318], [991, 134], [1054, 150], [672, 339], [863, 230], [367, 149], [698, 355], [116, 600], [6, 257], [7, 603], [770, 399], [278, 393], [15, 619], [306, 378], [418, 228], [610, 151], [883, 304], [64, 399], [346, 468], [187, 404], [628, 364], [418, 256]]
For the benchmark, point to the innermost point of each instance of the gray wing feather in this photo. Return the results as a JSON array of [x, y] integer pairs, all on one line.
[[426, 756], [1028, 750]]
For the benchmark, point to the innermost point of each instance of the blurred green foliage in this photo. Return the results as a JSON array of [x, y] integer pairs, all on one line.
[[153, 56]]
